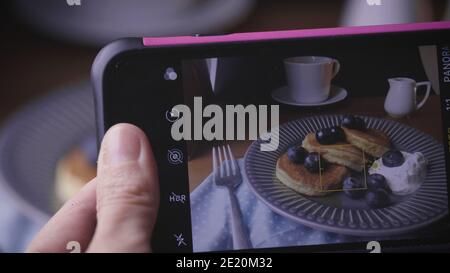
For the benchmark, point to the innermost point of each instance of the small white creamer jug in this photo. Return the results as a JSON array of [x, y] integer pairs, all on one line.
[[401, 99]]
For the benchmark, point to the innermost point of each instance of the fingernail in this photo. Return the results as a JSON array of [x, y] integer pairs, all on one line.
[[122, 146]]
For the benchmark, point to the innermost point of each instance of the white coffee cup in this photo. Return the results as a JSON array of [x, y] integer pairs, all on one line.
[[401, 99], [309, 77]]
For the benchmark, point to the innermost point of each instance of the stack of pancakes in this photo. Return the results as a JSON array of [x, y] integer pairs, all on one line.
[[298, 178], [341, 158]]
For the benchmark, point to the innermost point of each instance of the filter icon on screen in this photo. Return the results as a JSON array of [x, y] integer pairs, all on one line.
[[170, 74], [175, 156]]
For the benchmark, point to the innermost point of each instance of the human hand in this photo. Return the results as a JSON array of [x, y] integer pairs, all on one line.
[[116, 211]]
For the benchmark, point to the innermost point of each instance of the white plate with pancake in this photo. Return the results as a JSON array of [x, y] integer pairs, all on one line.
[[338, 213]]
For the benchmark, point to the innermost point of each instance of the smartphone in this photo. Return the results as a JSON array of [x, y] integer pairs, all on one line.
[[305, 140]]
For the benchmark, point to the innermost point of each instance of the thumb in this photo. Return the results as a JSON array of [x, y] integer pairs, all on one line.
[[127, 192]]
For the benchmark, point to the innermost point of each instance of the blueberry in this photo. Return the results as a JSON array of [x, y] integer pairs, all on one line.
[[297, 154], [331, 135], [324, 136], [353, 188], [378, 198], [338, 133], [353, 122], [313, 163], [392, 158], [377, 181]]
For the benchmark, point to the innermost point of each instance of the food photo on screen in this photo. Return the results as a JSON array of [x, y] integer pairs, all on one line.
[[359, 154]]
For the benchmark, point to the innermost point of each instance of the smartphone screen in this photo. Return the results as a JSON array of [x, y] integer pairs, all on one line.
[[302, 144]]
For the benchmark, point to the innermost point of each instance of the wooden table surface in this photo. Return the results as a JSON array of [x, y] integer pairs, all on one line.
[[426, 119]]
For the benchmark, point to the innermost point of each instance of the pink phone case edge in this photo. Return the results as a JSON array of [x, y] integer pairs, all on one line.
[[290, 34]]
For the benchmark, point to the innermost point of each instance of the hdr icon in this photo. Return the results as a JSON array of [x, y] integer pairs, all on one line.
[[374, 2]]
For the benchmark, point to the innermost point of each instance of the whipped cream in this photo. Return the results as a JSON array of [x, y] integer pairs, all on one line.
[[406, 178]]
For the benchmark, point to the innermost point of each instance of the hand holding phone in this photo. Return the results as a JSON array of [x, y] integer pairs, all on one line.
[[116, 211]]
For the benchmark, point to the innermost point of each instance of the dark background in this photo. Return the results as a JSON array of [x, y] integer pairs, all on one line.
[[363, 73], [33, 64]]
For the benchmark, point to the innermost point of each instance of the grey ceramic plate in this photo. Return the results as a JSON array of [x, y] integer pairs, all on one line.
[[336, 212]]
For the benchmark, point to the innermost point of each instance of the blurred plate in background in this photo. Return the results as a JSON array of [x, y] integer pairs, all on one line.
[[31, 143], [101, 21]]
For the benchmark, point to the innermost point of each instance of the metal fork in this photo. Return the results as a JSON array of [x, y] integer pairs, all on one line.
[[226, 173]]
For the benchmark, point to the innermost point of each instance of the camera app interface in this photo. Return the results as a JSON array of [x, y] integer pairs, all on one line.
[[324, 146]]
